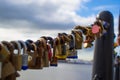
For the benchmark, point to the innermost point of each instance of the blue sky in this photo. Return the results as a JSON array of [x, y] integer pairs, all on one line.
[[94, 6], [30, 19]]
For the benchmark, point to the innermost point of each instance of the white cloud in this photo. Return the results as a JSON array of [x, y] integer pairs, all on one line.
[[41, 14]]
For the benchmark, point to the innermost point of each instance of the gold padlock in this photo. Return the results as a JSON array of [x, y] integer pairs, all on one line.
[[11, 49], [4, 53], [17, 57], [78, 40], [7, 69], [59, 50], [45, 52], [34, 61]]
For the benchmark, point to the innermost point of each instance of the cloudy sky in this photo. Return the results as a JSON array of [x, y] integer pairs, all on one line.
[[30, 19]]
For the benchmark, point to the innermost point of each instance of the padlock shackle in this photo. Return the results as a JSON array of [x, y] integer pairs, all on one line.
[[9, 45], [73, 37], [24, 46], [4, 52], [17, 45]]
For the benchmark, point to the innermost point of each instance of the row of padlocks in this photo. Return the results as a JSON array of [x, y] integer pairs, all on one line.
[[46, 51]]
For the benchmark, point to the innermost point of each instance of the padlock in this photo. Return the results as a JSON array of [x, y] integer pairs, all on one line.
[[78, 40], [24, 55], [28, 43], [66, 37], [49, 51], [57, 47], [17, 57], [54, 60], [34, 61], [63, 49], [11, 50], [83, 29], [72, 54], [4, 53], [7, 69], [59, 51], [43, 40], [72, 42]]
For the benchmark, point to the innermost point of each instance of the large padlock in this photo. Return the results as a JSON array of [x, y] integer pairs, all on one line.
[[45, 51], [17, 57], [60, 52], [7, 69], [24, 55], [6, 66], [4, 53], [78, 40], [34, 60], [57, 46], [11, 50]]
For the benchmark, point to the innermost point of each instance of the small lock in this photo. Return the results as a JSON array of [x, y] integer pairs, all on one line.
[[49, 51], [72, 42], [24, 56], [54, 59]]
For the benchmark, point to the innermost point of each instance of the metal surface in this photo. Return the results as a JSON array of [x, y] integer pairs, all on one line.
[[103, 61]]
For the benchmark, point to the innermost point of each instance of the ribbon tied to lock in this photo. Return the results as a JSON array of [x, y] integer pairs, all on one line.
[[95, 29]]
